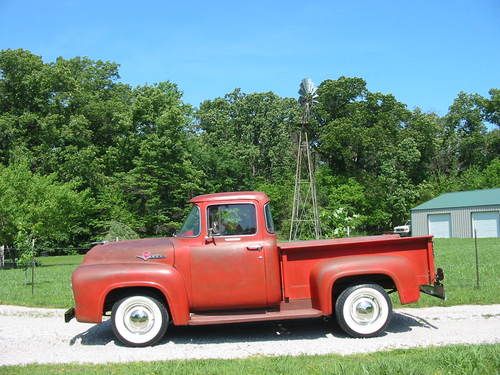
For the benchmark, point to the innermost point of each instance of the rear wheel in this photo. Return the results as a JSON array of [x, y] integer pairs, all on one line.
[[363, 310], [139, 320]]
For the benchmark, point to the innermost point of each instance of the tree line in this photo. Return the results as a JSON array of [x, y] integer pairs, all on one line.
[[85, 157]]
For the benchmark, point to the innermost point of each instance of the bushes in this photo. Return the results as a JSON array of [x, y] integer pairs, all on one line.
[[35, 207]]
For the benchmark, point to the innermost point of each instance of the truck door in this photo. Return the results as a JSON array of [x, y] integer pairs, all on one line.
[[229, 270]]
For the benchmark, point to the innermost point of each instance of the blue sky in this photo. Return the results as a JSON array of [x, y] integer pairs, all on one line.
[[424, 52]]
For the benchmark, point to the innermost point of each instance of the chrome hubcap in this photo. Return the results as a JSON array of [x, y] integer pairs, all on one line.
[[365, 310], [138, 319]]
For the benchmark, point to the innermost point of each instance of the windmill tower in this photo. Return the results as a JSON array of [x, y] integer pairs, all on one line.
[[305, 216]]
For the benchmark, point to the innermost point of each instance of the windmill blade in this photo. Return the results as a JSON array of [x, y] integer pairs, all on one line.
[[307, 87], [307, 92]]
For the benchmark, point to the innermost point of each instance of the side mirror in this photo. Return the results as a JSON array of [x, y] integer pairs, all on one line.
[[210, 238], [214, 229]]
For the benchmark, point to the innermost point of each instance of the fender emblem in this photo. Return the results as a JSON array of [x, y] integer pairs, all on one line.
[[147, 255]]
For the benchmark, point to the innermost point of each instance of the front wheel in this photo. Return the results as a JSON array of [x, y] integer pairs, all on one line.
[[139, 320], [363, 310]]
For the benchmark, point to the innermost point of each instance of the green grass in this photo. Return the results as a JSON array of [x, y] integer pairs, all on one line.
[[457, 359], [455, 256], [52, 283]]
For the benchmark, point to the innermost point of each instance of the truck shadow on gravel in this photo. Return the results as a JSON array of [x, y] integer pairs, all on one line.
[[305, 329]]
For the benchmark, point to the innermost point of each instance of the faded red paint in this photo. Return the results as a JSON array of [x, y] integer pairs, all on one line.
[[282, 280]]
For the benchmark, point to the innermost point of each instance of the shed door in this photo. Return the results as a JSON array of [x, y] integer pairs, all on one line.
[[440, 225], [486, 224]]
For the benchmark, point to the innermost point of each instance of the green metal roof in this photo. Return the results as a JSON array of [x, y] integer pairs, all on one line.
[[488, 197]]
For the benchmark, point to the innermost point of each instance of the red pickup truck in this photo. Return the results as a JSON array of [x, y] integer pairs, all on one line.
[[226, 266]]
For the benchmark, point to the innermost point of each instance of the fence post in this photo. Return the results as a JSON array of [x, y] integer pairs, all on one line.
[[33, 267], [477, 259], [2, 256]]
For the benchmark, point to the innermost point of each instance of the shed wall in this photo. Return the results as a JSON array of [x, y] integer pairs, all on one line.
[[461, 220]]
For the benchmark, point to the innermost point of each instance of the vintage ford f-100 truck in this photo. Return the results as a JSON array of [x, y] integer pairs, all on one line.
[[226, 266]]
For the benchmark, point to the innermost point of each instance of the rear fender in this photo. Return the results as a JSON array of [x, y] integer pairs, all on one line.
[[92, 283], [325, 274]]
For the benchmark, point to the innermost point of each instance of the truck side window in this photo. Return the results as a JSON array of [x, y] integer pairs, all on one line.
[[232, 219], [269, 218], [191, 226]]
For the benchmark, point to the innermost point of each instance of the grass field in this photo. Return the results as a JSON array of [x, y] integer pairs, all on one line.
[[456, 360], [455, 256], [52, 283]]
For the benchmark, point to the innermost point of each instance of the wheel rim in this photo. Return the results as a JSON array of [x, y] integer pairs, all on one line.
[[365, 311], [138, 320]]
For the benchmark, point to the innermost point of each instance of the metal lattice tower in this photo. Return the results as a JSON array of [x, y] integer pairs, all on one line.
[[305, 216]]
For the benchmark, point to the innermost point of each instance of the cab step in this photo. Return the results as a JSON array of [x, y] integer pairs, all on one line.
[[299, 309]]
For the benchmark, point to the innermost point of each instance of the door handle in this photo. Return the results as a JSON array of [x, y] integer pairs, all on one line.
[[254, 248]]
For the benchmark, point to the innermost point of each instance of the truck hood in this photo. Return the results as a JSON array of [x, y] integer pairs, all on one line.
[[156, 250]]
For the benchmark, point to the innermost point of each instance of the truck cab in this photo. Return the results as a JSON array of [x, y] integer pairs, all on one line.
[[232, 249], [225, 265]]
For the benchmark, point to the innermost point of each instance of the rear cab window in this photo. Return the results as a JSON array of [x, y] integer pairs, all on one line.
[[269, 218]]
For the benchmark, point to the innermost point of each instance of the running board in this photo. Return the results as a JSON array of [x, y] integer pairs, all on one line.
[[218, 317]]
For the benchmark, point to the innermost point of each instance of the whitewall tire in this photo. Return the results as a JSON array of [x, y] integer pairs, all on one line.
[[139, 320], [363, 310]]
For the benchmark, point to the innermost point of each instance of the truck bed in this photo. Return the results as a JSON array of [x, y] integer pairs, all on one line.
[[299, 258]]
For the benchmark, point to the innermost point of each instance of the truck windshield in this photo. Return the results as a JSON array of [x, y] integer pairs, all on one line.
[[191, 226]]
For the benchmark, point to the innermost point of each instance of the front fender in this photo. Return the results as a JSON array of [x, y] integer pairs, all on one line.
[[324, 275], [92, 283]]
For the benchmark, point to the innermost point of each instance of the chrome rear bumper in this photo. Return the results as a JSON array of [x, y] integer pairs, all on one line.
[[436, 290]]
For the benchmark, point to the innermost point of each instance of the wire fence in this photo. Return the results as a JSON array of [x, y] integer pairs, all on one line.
[[9, 255], [479, 261]]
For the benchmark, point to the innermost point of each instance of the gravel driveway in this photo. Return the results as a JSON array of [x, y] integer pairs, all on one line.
[[29, 335]]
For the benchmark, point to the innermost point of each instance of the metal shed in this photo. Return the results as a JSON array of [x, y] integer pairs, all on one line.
[[458, 214]]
